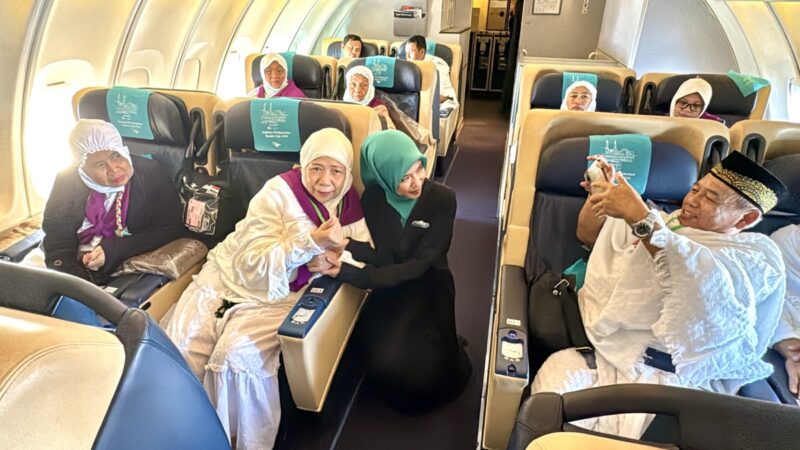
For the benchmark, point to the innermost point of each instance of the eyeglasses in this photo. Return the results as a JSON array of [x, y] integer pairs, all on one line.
[[693, 107]]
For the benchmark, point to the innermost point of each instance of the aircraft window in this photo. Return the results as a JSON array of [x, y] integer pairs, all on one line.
[[333, 27], [49, 119], [285, 28], [770, 50], [793, 100], [310, 30]]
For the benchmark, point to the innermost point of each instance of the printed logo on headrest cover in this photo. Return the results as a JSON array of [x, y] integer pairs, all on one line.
[[275, 124], [127, 110]]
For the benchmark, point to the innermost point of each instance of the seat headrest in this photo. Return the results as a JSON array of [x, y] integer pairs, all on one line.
[[787, 169], [141, 115], [562, 164], [407, 76], [292, 121], [367, 49], [305, 71], [442, 51], [546, 93], [726, 98]]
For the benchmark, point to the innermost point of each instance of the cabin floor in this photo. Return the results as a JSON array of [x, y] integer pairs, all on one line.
[[474, 173]]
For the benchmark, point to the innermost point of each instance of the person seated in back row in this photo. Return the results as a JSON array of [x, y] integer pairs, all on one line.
[[691, 100], [351, 46], [416, 51], [580, 96], [275, 73], [109, 206], [787, 336], [685, 299]]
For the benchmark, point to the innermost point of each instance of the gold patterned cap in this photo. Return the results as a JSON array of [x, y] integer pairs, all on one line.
[[750, 180]]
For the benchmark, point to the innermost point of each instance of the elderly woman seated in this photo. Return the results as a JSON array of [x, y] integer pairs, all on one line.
[[274, 71], [691, 100], [580, 96], [108, 207], [226, 322]]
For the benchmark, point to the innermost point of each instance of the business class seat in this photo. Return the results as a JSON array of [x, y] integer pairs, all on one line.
[[67, 385], [694, 420], [174, 143], [545, 198], [371, 47], [762, 140], [415, 91], [450, 125], [311, 348], [654, 92], [307, 72]]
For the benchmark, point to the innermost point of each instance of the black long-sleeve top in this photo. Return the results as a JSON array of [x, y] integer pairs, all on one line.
[[154, 219], [402, 253]]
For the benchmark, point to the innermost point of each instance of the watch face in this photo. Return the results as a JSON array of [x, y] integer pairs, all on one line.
[[642, 230]]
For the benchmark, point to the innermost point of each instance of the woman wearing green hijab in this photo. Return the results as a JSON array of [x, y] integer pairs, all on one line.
[[413, 353]]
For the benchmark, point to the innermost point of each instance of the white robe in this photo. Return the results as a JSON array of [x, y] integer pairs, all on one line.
[[710, 300], [445, 85], [788, 240], [236, 356]]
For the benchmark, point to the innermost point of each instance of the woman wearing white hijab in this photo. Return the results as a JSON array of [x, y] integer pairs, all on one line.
[[580, 96], [226, 322], [276, 83], [109, 206], [360, 89], [691, 100]]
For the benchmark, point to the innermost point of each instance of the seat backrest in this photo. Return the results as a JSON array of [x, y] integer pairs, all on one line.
[[547, 93], [568, 440], [251, 162], [306, 72], [370, 47], [655, 91], [546, 129], [414, 88], [151, 123], [450, 53], [532, 72], [761, 140], [57, 380]]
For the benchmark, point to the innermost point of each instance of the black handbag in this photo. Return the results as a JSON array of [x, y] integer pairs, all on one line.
[[554, 318]]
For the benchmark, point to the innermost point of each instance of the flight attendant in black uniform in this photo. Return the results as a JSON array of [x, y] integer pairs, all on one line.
[[414, 356]]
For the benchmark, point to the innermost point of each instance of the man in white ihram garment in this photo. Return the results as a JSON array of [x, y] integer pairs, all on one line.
[[416, 50], [688, 292], [226, 322]]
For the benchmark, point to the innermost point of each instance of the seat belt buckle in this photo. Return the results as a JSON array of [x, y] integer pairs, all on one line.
[[584, 350]]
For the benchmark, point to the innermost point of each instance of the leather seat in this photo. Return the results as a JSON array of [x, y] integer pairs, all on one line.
[[546, 93], [761, 140], [370, 47], [654, 93], [566, 440], [306, 72], [67, 385]]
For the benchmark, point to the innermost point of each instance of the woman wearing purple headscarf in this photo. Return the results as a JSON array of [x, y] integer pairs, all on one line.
[[109, 206]]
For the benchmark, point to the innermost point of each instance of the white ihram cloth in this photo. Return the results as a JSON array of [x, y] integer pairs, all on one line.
[[236, 356], [788, 240], [445, 85], [710, 300]]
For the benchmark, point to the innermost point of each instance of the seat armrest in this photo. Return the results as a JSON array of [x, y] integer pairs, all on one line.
[[512, 331], [17, 251], [310, 307], [539, 415]]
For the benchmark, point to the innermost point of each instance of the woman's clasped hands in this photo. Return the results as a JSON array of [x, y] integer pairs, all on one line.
[[329, 236]]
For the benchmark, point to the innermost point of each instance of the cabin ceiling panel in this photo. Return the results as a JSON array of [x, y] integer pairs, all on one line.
[[316, 19], [770, 50], [79, 45], [157, 41], [248, 38], [286, 27], [207, 45]]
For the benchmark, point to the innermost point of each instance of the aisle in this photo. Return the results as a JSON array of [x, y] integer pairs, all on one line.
[[474, 175]]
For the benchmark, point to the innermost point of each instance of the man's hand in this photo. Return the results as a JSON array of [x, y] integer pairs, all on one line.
[[318, 264], [94, 259], [329, 234], [620, 201], [336, 266], [790, 349], [608, 171]]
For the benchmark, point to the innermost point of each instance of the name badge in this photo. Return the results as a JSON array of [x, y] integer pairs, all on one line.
[[420, 224]]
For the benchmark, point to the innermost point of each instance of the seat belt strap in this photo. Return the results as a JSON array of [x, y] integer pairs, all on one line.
[[574, 322]]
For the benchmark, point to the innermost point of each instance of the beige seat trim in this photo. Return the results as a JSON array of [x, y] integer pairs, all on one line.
[[760, 107], [532, 72], [782, 138], [57, 380], [569, 440], [169, 294]]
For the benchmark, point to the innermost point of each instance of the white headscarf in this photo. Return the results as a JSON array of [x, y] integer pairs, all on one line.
[[334, 144], [90, 136], [365, 72], [585, 84], [692, 86], [268, 59]]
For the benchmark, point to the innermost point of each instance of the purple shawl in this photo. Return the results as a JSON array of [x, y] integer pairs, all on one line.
[[350, 213], [104, 223], [375, 102], [291, 90]]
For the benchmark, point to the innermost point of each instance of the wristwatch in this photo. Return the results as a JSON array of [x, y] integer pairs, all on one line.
[[644, 228]]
